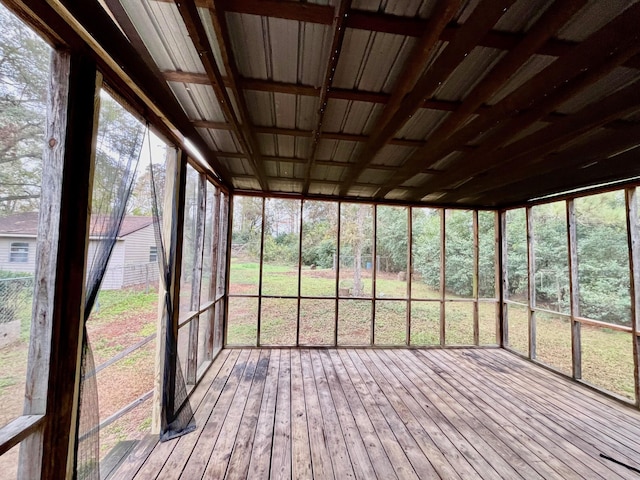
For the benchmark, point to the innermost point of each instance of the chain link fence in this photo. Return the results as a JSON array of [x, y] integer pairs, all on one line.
[[16, 296]]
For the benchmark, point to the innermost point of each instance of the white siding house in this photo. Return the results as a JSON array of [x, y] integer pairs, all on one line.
[[133, 261]]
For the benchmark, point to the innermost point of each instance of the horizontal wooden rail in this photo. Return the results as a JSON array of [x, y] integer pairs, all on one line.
[[121, 355], [17, 430], [112, 418], [598, 323]]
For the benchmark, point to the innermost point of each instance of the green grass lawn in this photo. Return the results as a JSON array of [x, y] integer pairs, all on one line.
[[607, 357]]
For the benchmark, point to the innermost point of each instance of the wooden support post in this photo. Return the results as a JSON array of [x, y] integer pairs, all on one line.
[[633, 240], [172, 230], [299, 272], [574, 290], [196, 279], [53, 374], [531, 284], [336, 312], [503, 279], [226, 212], [476, 279], [264, 223], [409, 271], [212, 333], [443, 276], [497, 282], [372, 339]]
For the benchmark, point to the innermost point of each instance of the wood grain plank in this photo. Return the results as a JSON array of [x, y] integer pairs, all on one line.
[[142, 463], [285, 428], [228, 438], [346, 397], [260, 460], [320, 454], [340, 457], [552, 427], [396, 453], [242, 446], [428, 384]]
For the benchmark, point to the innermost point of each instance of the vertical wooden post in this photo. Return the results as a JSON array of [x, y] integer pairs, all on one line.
[[633, 240], [264, 223], [531, 284], [226, 236], [476, 279], [443, 276], [212, 333], [53, 374], [504, 279], [336, 312], [172, 230], [374, 275], [574, 289], [497, 282], [409, 271], [299, 272], [196, 279]]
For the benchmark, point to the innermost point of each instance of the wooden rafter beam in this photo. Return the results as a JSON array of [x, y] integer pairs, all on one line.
[[547, 25], [617, 168], [334, 56], [486, 14], [603, 51], [189, 12], [542, 152], [84, 26], [302, 12]]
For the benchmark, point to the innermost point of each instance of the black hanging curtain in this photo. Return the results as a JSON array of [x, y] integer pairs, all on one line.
[[177, 415]]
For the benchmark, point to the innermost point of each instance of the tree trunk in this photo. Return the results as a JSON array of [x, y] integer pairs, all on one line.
[[358, 290]]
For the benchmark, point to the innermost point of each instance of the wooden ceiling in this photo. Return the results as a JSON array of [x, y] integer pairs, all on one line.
[[470, 103]]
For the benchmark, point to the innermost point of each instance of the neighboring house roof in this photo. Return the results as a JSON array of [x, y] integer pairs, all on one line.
[[27, 224]]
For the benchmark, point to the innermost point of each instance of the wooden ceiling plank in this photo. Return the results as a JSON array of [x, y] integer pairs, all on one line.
[[486, 14], [547, 25], [588, 62], [334, 56], [189, 12]]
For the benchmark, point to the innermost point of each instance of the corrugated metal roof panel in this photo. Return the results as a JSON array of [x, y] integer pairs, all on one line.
[[398, 194], [250, 45], [468, 73], [198, 101], [260, 107], [534, 127], [220, 140], [371, 61], [303, 147], [322, 172], [347, 116], [417, 180], [592, 17], [165, 35], [323, 189], [237, 166], [374, 176], [531, 67], [267, 143], [284, 45], [445, 162], [521, 15], [614, 80], [410, 8], [421, 124], [338, 150], [393, 155], [289, 186], [205, 16], [245, 183], [315, 43], [362, 191]]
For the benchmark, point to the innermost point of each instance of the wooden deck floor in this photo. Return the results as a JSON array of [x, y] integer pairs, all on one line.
[[481, 413]]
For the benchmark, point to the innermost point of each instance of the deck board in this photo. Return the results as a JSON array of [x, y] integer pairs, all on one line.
[[397, 413]]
